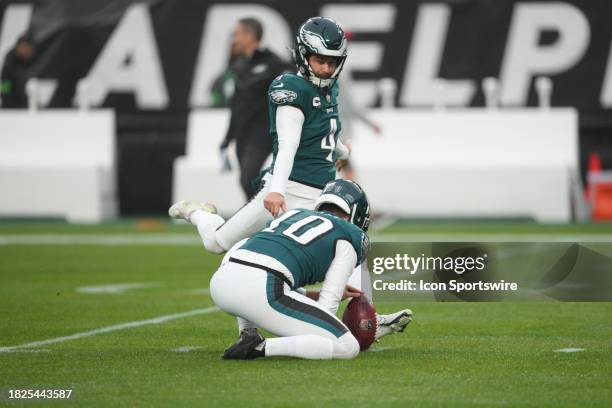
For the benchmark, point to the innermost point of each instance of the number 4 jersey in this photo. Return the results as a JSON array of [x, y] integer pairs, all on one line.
[[314, 163], [304, 241]]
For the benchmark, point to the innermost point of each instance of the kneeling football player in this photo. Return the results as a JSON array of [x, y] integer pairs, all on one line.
[[259, 279]]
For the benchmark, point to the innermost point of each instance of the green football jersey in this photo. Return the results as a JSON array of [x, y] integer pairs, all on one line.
[[304, 241], [315, 159]]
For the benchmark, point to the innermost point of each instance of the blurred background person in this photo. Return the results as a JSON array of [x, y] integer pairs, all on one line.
[[349, 114], [224, 85], [253, 71], [15, 73]]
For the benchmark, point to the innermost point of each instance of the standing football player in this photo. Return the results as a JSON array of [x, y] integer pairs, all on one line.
[[304, 126], [259, 279]]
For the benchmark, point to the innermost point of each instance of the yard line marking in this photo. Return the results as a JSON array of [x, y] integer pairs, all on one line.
[[569, 350], [380, 223], [186, 349], [27, 351], [194, 239], [100, 239], [200, 291], [116, 327], [117, 288], [381, 348]]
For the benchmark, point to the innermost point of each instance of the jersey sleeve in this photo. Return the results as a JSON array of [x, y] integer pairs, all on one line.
[[285, 90], [289, 121], [337, 275]]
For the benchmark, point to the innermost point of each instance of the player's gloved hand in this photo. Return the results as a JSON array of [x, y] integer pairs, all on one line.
[[351, 292], [275, 202]]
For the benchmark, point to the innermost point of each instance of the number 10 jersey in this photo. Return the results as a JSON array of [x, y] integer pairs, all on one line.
[[304, 241]]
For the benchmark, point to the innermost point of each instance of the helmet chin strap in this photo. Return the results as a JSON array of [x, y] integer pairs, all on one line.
[[321, 82], [324, 82]]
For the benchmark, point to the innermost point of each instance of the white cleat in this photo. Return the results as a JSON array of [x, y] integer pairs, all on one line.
[[392, 323], [184, 209]]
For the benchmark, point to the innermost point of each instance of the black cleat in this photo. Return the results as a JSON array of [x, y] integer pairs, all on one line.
[[250, 345]]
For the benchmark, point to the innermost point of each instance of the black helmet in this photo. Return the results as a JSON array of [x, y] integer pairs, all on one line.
[[350, 198], [322, 36]]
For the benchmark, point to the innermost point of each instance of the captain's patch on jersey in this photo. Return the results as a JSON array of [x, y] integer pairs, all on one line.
[[280, 96]]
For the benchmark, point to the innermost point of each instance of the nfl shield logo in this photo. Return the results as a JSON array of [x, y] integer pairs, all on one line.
[[365, 324]]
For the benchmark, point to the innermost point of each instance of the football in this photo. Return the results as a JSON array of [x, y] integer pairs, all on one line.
[[360, 318]]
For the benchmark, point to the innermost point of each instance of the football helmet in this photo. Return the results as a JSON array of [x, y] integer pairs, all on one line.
[[322, 36], [350, 198]]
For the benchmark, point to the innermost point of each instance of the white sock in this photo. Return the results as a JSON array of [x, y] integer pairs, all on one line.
[[244, 324], [360, 279], [207, 225]]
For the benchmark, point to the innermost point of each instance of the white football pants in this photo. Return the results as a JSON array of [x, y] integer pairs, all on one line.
[[219, 235], [306, 329]]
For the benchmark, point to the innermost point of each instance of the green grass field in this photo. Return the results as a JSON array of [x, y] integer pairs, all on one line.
[[159, 342]]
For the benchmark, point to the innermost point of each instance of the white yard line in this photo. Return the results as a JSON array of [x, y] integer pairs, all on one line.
[[194, 239], [117, 288], [116, 327], [381, 348], [200, 291], [569, 350], [100, 239], [186, 349]]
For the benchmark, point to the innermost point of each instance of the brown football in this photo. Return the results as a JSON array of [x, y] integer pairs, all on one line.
[[360, 318]]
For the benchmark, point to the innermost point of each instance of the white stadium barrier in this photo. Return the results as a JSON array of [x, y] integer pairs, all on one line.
[[470, 163], [197, 175], [453, 163], [58, 163]]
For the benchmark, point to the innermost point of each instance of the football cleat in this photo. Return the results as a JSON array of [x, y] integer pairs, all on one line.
[[250, 345], [184, 209], [392, 323]]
